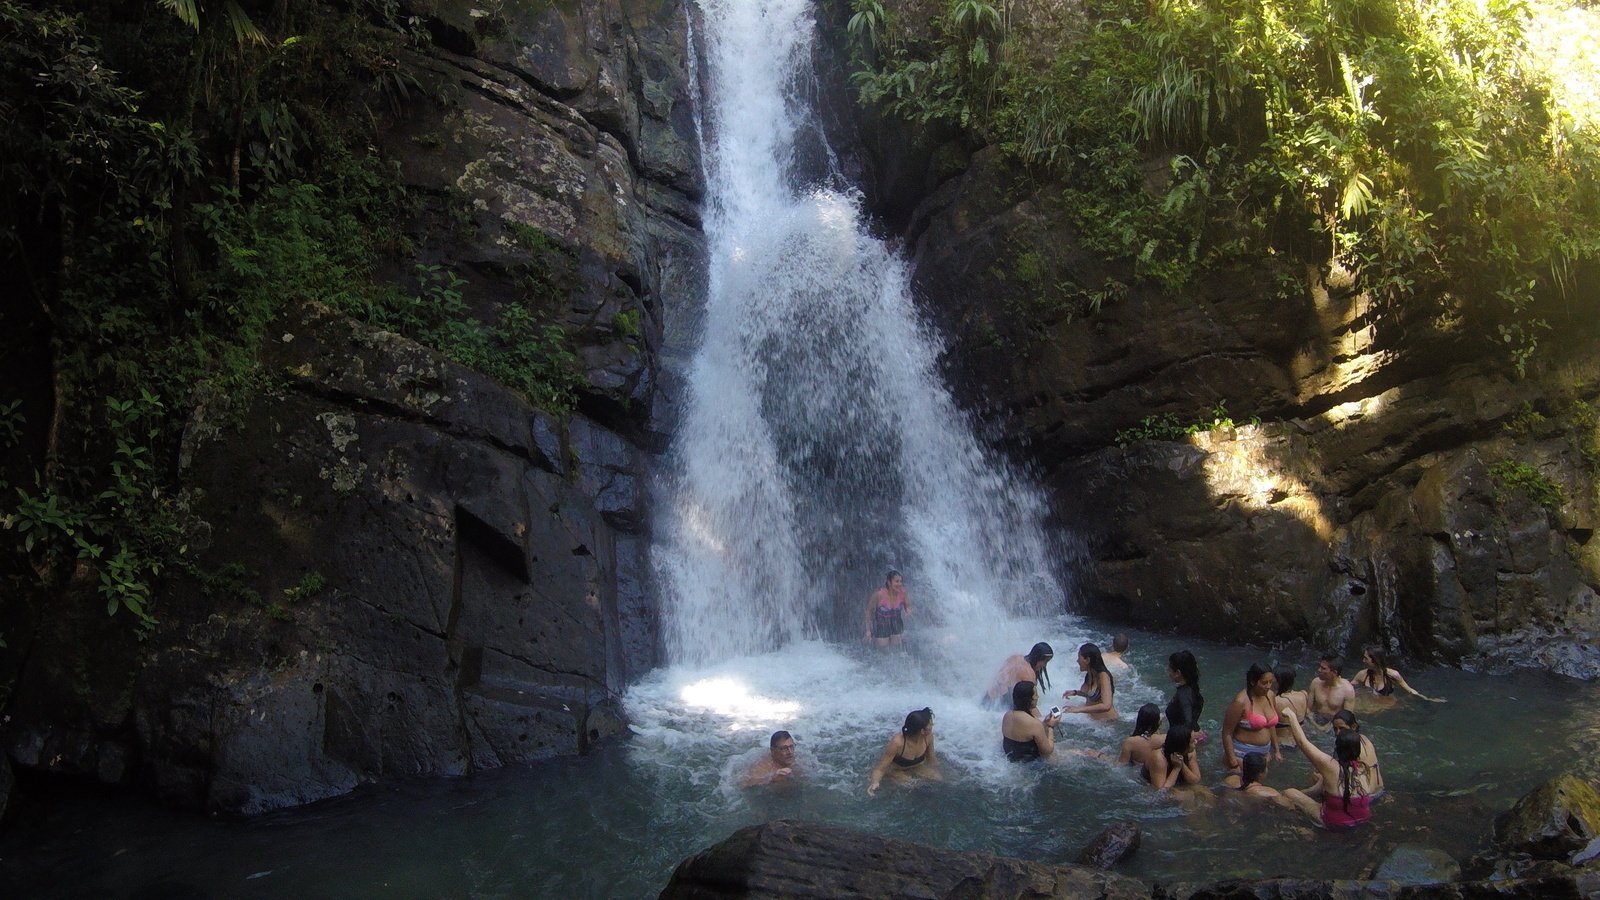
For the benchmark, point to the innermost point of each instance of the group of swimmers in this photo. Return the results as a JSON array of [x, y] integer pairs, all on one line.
[[1262, 719]]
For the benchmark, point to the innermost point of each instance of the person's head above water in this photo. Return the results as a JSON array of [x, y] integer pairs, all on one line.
[[1330, 668], [1039, 657], [1258, 680], [1376, 661], [1184, 664], [1177, 742], [1285, 677], [893, 576], [1148, 721], [1119, 644], [1344, 719], [782, 748], [1022, 696], [1090, 658], [1255, 766], [917, 721]]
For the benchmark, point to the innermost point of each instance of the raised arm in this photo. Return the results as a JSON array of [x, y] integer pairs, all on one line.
[[1400, 681], [1046, 736], [1314, 754], [896, 743]]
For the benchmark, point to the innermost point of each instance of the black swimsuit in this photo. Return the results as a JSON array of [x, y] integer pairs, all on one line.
[[1020, 751], [905, 763], [1386, 690]]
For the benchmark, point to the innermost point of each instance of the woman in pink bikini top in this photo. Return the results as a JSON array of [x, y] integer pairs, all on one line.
[[886, 611], [1250, 724]]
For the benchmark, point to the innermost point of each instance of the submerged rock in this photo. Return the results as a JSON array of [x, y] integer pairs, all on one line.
[[1556, 820], [1416, 864], [1110, 846]]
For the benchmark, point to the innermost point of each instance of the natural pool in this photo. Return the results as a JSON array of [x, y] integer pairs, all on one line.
[[617, 822]]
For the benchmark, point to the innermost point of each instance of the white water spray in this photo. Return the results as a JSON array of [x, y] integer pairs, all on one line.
[[817, 447]]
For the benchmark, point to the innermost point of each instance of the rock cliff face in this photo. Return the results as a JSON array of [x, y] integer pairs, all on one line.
[[412, 570], [1374, 473]]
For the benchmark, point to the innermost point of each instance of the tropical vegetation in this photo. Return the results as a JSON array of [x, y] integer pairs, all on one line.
[[1440, 154]]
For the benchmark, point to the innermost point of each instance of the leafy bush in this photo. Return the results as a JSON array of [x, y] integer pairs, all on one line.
[[1528, 481], [1441, 152]]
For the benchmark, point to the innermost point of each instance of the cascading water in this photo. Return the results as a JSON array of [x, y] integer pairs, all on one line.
[[817, 446]]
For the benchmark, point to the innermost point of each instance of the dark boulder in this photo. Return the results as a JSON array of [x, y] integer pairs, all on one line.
[[1109, 847]]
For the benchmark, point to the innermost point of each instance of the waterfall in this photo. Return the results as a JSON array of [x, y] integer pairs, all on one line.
[[817, 447]]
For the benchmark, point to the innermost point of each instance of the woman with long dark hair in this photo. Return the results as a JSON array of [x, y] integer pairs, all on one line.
[[1184, 710], [1099, 690], [1292, 704], [1250, 724], [1024, 736], [909, 754], [1377, 677], [1176, 763], [1346, 781], [1136, 747]]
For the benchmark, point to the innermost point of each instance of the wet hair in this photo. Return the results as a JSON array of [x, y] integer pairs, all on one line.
[[1348, 718], [917, 721], [1334, 663], [1183, 663], [1285, 676], [1022, 696], [778, 736], [1379, 659], [1253, 675], [1347, 749], [1178, 742], [1255, 766], [1148, 721], [1119, 644], [1097, 664], [1039, 656], [893, 574]]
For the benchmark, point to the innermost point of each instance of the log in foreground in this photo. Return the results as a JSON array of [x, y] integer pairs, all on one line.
[[794, 859]]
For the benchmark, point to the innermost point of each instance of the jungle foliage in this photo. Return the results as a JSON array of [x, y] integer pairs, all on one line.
[[172, 175], [1440, 151]]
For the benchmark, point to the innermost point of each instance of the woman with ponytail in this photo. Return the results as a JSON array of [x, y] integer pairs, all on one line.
[[1347, 782], [909, 754]]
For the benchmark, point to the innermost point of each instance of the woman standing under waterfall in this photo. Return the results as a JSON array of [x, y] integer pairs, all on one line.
[[886, 611]]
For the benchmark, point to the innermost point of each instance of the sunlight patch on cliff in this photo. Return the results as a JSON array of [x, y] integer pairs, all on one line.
[[1241, 469]]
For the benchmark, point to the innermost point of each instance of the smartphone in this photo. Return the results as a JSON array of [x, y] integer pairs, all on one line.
[[1054, 711]]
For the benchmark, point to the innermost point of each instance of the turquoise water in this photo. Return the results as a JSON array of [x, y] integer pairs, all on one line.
[[617, 822]]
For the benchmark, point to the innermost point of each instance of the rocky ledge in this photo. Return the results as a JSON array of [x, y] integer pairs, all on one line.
[[793, 859]]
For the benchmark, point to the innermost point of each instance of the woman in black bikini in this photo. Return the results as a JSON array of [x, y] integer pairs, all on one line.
[[909, 754], [1023, 736], [1099, 691], [1382, 680]]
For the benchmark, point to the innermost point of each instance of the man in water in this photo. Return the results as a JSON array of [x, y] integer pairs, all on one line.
[[1330, 691], [1030, 668], [778, 765], [1114, 660]]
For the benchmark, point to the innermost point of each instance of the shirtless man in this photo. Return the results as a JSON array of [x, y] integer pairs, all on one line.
[[1030, 668], [1330, 691], [1114, 660], [778, 765]]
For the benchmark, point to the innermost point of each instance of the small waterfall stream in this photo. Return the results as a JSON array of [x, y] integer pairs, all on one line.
[[818, 447]]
